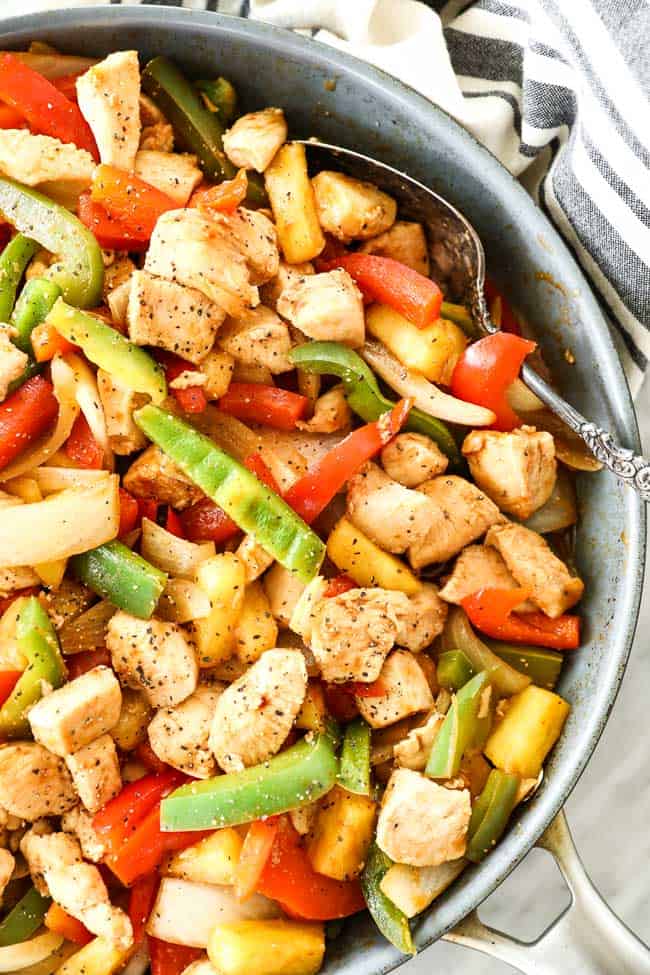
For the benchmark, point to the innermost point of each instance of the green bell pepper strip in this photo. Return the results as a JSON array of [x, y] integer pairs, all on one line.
[[249, 502], [221, 98], [454, 670], [392, 922], [24, 919], [33, 306], [123, 577], [13, 261], [541, 665], [363, 394], [37, 642], [79, 272], [491, 813], [302, 773], [109, 350], [461, 729], [354, 773]]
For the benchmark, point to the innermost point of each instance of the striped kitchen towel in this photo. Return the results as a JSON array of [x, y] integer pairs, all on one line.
[[558, 90]]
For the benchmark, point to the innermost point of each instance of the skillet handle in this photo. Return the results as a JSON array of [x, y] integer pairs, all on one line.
[[587, 938]]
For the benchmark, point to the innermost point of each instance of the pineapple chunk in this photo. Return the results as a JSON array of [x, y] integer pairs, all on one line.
[[99, 957], [313, 713], [293, 203], [353, 552], [531, 726], [211, 861], [412, 889], [433, 351], [132, 724], [256, 630], [223, 577], [342, 835], [267, 948]]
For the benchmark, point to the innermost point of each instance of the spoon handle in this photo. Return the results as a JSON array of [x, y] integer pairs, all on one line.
[[631, 468]]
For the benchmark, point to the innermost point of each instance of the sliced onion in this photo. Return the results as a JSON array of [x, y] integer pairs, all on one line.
[[175, 556], [88, 630], [54, 65], [569, 447], [54, 962], [459, 635], [14, 958], [87, 396], [52, 479], [522, 399], [424, 394], [560, 510]]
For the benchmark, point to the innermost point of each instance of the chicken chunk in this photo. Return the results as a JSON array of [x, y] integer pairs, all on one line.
[[331, 413], [45, 850], [421, 822], [77, 713], [325, 306], [95, 771], [154, 475], [179, 735], [7, 864], [530, 559], [157, 137], [255, 557], [152, 657], [405, 242], [254, 139], [254, 715], [188, 248], [217, 367], [461, 513], [18, 576], [283, 590], [405, 692], [12, 361], [259, 337], [24, 764], [79, 823], [420, 624], [414, 750], [287, 274], [255, 237], [37, 160], [393, 516], [174, 173], [411, 459], [109, 99], [119, 403], [350, 209], [479, 567], [517, 470]]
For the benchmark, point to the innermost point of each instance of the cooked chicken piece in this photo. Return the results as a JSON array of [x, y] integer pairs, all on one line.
[[190, 249], [254, 715], [109, 98], [22, 765], [405, 692], [420, 623], [119, 404], [38, 160], [157, 137], [287, 274], [461, 513], [95, 771], [393, 516], [528, 556], [412, 459], [18, 577], [171, 316], [303, 818], [8, 821], [255, 558], [331, 413], [350, 209], [173, 173], [154, 475], [179, 735], [414, 750], [117, 272], [255, 138], [283, 590], [7, 864], [517, 470], [118, 302], [12, 360], [44, 849], [405, 242], [80, 823], [77, 713], [217, 367], [421, 822], [253, 234], [152, 657], [259, 337], [479, 567], [325, 306]]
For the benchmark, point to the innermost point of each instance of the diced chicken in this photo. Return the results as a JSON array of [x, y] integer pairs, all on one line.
[[287, 274], [8, 821], [421, 622], [412, 459], [325, 306], [283, 590], [18, 577], [421, 822], [517, 470], [255, 557], [405, 692], [117, 272], [191, 250], [259, 337], [331, 413], [254, 139], [77, 713], [38, 160], [303, 819], [118, 302], [255, 714], [157, 137], [461, 513], [393, 516], [154, 475], [255, 237], [12, 360], [414, 750], [171, 316], [119, 403], [95, 771], [535, 567], [109, 99], [405, 242], [217, 367], [173, 173], [153, 657], [479, 567], [350, 209], [45, 850], [179, 735], [7, 864], [24, 764], [79, 823]]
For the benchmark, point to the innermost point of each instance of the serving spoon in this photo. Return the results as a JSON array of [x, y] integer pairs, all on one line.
[[458, 266]]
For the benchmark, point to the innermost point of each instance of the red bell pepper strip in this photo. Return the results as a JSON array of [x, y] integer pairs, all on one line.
[[394, 284], [223, 197], [339, 585], [11, 119], [67, 85], [148, 508], [289, 877], [169, 959], [192, 399], [119, 818], [129, 513], [377, 688], [255, 851], [145, 754], [81, 446], [46, 109], [174, 524], [500, 309], [128, 198], [205, 521], [141, 900], [80, 663], [262, 472], [24, 416], [490, 611], [313, 492], [61, 922], [8, 680], [340, 704], [271, 405], [110, 232], [486, 369]]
